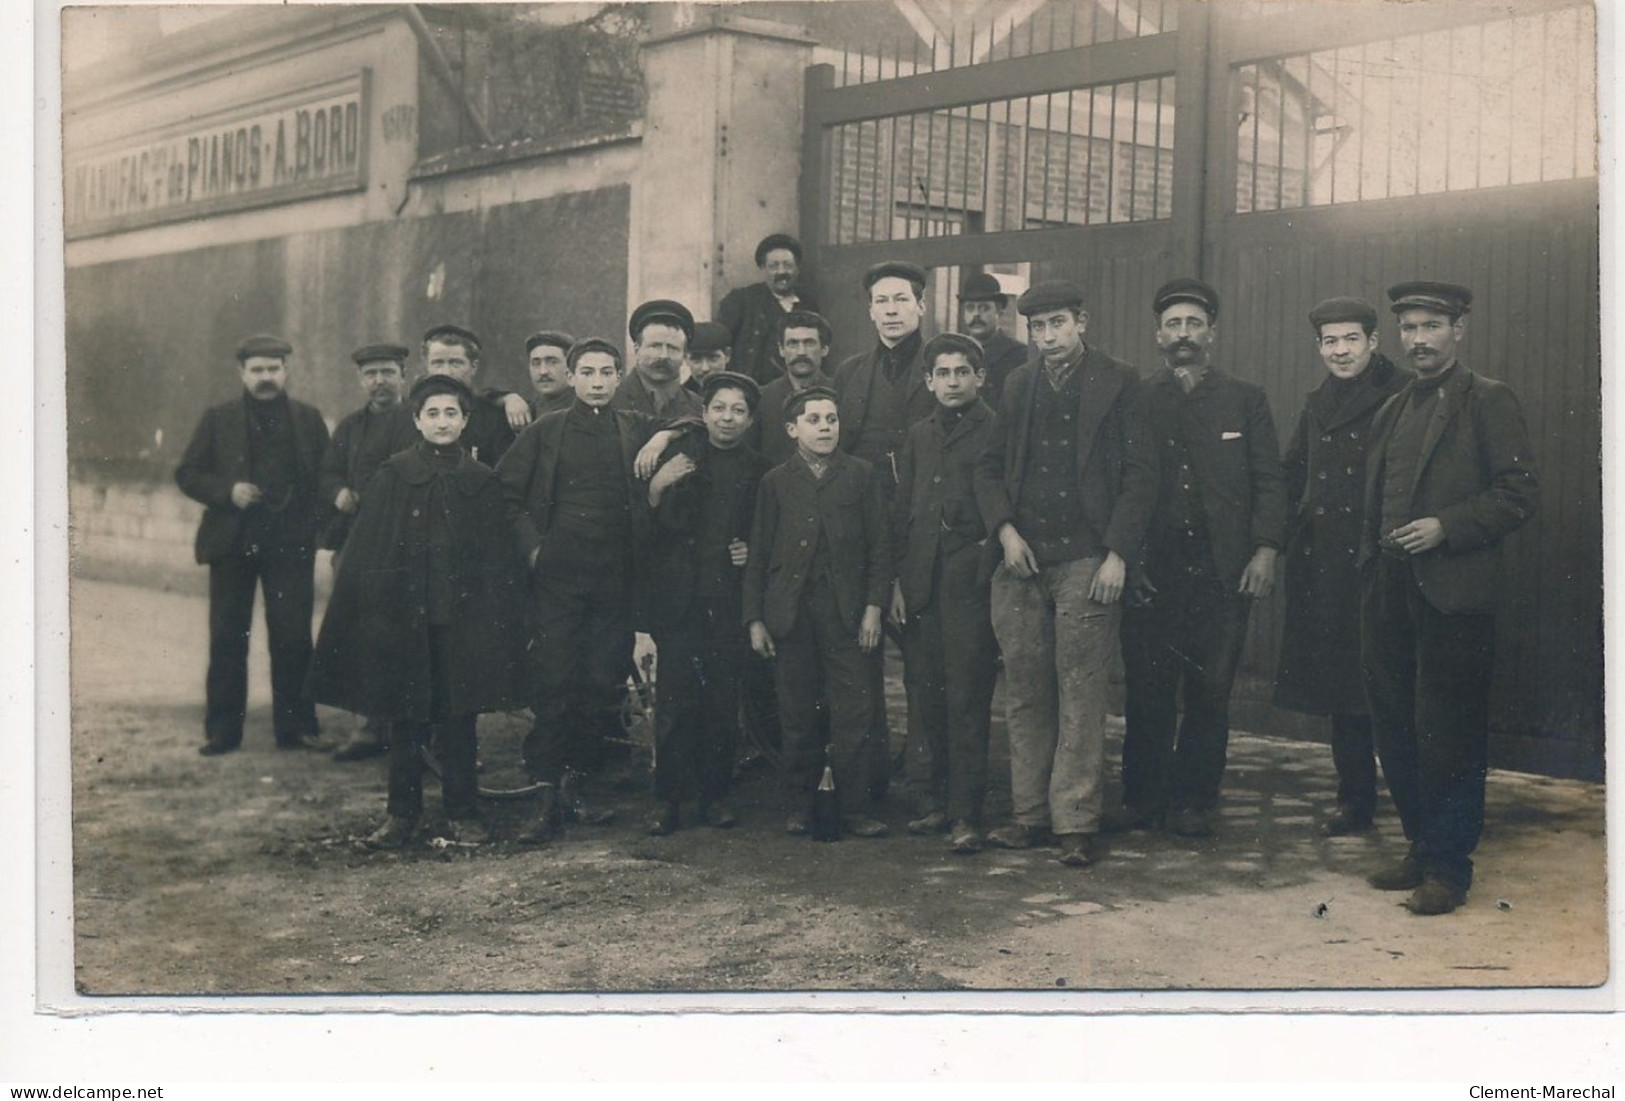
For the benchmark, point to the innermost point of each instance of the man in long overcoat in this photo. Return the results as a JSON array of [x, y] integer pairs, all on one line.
[[1325, 486]]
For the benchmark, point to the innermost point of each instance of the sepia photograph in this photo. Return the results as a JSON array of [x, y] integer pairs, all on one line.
[[1031, 505]]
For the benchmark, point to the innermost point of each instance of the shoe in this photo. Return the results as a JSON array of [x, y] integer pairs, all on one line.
[[1077, 849], [933, 822], [1191, 823], [360, 746], [963, 838], [1012, 835], [798, 824], [665, 820], [543, 824], [466, 831], [1435, 896], [306, 741], [212, 748], [719, 817], [1405, 875], [576, 809], [393, 834], [1347, 820], [1125, 819], [859, 825]]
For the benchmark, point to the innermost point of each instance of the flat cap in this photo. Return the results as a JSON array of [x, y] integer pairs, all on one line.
[[453, 334], [665, 311], [1450, 299], [375, 353], [710, 336], [263, 344], [591, 344], [1052, 294], [797, 401], [1187, 290], [982, 287], [775, 241], [1342, 308], [731, 380], [806, 319], [951, 342], [895, 269], [430, 385], [553, 338]]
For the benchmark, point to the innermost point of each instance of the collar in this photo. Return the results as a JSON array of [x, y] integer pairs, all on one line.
[[1060, 376]]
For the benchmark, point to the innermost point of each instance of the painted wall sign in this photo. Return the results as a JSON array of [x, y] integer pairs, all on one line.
[[298, 145]]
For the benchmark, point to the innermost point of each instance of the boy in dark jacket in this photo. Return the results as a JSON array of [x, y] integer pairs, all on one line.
[[425, 627], [703, 498], [937, 602], [818, 574]]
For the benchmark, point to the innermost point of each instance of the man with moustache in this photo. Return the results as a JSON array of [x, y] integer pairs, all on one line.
[[804, 338], [1450, 476], [752, 314], [360, 444], [549, 373], [981, 300], [1210, 550], [1325, 488], [660, 330], [254, 463]]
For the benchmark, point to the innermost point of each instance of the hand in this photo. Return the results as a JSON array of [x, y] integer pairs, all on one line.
[[649, 455], [1258, 579], [348, 500], [760, 640], [1018, 556], [518, 411], [1418, 535], [738, 552], [244, 494], [869, 629], [1107, 585], [674, 470], [899, 609]]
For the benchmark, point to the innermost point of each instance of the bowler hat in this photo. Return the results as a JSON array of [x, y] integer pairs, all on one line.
[[982, 287], [710, 336]]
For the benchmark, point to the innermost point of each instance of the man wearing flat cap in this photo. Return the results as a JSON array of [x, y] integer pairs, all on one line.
[[708, 354], [1210, 551], [455, 351], [1065, 487], [1319, 672], [1450, 476], [660, 330], [751, 314], [545, 353], [254, 463], [360, 444], [981, 301]]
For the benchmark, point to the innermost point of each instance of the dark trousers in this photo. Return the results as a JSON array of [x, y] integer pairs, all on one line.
[[948, 674], [1427, 676], [697, 706], [1354, 756], [581, 657], [454, 742], [288, 579], [819, 667], [1190, 633]]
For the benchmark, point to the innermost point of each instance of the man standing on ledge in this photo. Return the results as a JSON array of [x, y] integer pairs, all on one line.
[[1450, 476], [1209, 551], [752, 313], [253, 462]]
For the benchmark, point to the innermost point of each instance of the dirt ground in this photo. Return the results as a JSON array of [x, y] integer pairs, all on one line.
[[241, 874]]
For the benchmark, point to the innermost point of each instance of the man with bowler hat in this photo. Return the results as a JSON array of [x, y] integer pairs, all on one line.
[[751, 314], [981, 301]]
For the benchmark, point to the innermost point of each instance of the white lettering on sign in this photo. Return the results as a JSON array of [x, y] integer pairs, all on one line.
[[308, 143]]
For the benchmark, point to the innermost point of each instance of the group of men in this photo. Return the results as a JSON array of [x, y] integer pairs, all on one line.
[[1040, 505]]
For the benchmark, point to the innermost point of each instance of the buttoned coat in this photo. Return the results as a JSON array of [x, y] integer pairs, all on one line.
[[372, 656], [1325, 491], [936, 497], [1235, 457], [217, 457], [1476, 474], [752, 314], [1116, 476], [854, 388], [791, 508]]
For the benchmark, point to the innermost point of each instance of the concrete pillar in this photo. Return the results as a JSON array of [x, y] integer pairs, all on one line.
[[721, 153]]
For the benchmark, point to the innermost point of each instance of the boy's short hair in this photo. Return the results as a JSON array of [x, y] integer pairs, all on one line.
[[806, 319], [944, 343], [798, 401], [731, 380], [454, 334], [591, 344], [430, 385], [552, 338]]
